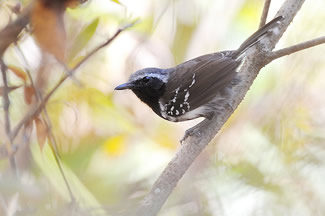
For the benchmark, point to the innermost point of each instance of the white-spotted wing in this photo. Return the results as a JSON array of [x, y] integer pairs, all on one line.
[[201, 80]]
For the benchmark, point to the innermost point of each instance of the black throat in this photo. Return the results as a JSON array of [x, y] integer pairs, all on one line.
[[151, 93]]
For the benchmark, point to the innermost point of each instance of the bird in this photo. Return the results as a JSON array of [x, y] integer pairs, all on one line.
[[196, 88]]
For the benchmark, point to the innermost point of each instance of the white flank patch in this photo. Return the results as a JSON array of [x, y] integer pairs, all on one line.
[[193, 114]]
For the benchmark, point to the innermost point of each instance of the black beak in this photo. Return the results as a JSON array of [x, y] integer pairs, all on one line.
[[125, 86]]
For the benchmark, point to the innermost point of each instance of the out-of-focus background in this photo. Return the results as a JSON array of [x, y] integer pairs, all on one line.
[[269, 159]]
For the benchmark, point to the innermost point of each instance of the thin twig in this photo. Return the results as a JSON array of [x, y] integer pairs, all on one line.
[[48, 124], [57, 160], [6, 101], [265, 12], [9, 35], [295, 48], [43, 102], [38, 93], [6, 106]]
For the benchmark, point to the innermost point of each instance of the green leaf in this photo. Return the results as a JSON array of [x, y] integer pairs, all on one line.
[[116, 1], [82, 39], [49, 167]]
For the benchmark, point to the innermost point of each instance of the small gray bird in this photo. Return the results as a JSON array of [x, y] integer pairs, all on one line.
[[195, 88]]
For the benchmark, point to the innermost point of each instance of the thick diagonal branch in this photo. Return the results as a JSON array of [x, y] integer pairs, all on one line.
[[194, 145], [10, 33]]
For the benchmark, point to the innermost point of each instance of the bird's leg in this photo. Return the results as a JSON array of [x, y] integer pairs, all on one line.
[[195, 130]]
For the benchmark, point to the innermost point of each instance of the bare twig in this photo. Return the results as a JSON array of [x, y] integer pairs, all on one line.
[[194, 145], [48, 124], [43, 102], [57, 160], [6, 101], [38, 93], [296, 48], [6, 106], [9, 35], [265, 12]]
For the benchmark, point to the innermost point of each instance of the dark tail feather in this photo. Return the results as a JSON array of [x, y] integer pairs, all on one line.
[[254, 38]]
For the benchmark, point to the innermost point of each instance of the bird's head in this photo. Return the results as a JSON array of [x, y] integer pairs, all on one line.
[[148, 78], [148, 84]]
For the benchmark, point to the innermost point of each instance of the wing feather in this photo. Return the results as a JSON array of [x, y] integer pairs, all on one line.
[[202, 79]]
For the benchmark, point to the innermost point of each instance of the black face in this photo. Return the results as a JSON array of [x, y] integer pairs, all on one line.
[[148, 89]]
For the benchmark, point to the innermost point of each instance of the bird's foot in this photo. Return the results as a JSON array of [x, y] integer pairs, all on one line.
[[230, 107], [194, 131]]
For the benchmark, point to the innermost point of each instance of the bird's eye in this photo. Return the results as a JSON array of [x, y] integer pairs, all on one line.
[[145, 79]]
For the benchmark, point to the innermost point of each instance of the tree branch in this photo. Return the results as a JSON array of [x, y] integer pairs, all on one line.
[[296, 48], [6, 105], [6, 101], [10, 33], [265, 12], [194, 145]]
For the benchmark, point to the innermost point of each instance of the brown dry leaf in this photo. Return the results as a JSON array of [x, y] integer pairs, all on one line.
[[9, 88], [48, 28], [41, 132], [18, 72], [29, 93]]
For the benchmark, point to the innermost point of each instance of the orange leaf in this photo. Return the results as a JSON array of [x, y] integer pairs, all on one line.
[[18, 72], [29, 93], [41, 132], [48, 28]]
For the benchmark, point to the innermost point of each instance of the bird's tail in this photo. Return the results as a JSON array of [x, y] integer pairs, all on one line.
[[254, 38]]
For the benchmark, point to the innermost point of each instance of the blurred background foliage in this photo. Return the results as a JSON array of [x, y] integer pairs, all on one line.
[[269, 159]]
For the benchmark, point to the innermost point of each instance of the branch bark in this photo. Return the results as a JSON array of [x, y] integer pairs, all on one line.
[[194, 145], [296, 48], [10, 33]]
